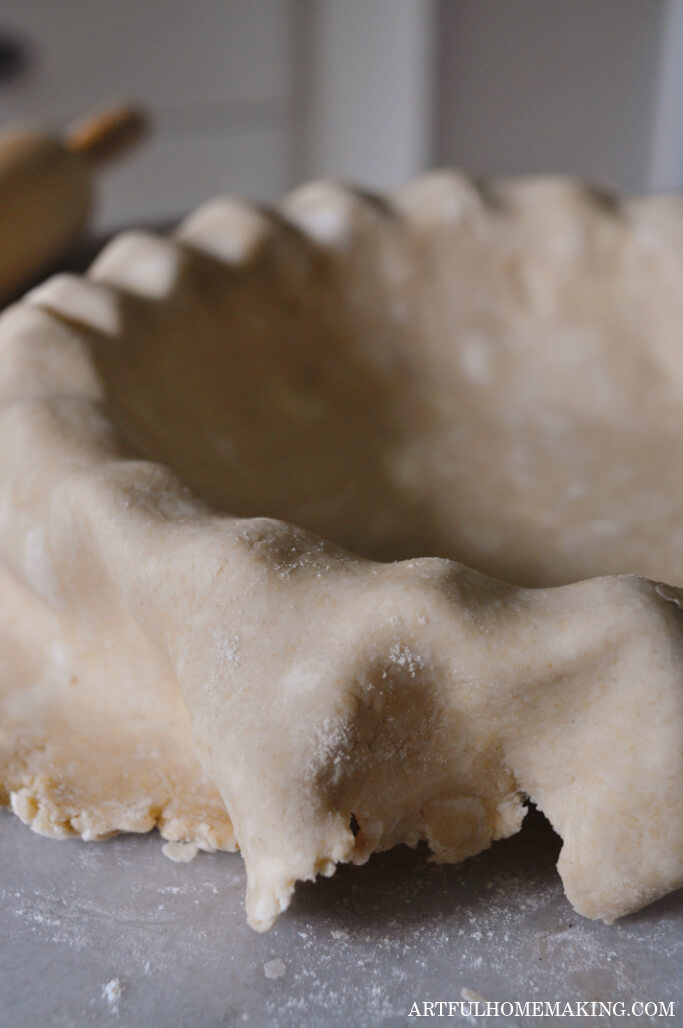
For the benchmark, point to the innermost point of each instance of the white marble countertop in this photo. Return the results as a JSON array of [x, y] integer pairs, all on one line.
[[114, 933]]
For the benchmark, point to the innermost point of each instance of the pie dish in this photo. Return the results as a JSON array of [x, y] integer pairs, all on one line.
[[239, 467]]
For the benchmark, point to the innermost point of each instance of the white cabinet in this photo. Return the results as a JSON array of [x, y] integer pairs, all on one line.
[[218, 77], [576, 87], [248, 96]]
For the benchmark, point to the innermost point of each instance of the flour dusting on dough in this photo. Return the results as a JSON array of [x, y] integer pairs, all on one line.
[[227, 649], [404, 657]]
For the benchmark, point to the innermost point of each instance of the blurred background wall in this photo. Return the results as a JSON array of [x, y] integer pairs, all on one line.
[[551, 85], [253, 97]]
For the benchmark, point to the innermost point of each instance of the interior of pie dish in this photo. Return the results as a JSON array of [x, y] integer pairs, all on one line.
[[486, 374]]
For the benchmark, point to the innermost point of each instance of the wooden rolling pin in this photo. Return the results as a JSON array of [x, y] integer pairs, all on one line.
[[46, 189]]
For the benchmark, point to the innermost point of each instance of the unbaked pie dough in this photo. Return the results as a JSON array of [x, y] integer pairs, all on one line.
[[237, 470]]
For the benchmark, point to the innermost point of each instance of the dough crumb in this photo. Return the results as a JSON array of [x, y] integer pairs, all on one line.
[[471, 996], [112, 991], [274, 968], [339, 933], [180, 852]]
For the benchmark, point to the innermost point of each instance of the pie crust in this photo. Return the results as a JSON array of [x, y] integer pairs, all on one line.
[[238, 469]]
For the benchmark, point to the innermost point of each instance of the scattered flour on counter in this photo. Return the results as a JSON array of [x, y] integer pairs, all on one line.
[[180, 852], [274, 968], [112, 992], [498, 924]]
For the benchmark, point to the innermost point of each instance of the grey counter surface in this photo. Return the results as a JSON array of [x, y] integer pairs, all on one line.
[[83, 922]]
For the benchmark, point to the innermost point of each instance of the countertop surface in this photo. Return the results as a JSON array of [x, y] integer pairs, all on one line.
[[114, 933]]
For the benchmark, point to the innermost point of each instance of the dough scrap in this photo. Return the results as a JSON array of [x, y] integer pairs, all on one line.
[[423, 375], [92, 744]]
